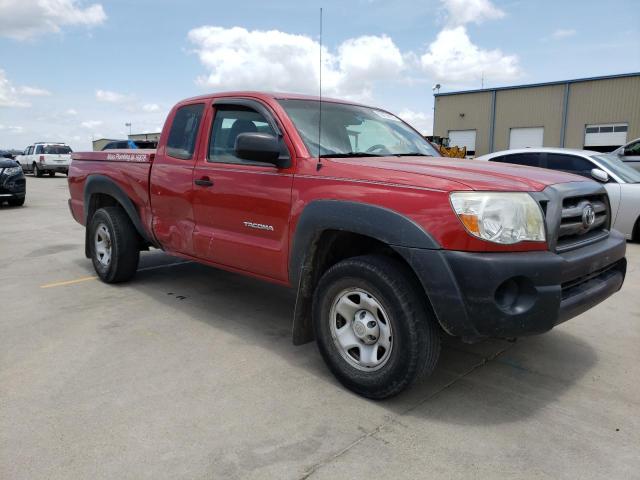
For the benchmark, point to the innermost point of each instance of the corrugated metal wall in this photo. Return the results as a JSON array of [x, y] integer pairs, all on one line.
[[529, 107], [470, 111], [596, 101], [603, 101]]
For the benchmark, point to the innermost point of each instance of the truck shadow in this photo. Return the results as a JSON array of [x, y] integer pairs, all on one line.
[[491, 382]]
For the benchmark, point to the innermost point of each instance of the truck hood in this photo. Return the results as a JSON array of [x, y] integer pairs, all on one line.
[[472, 174]]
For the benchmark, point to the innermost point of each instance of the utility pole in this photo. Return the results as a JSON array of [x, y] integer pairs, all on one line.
[[128, 124]]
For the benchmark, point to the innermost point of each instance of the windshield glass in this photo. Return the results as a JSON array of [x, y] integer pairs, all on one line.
[[626, 173], [354, 131], [56, 149]]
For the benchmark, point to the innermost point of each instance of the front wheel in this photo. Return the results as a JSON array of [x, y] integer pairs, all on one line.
[[114, 245], [16, 202], [373, 326], [36, 171]]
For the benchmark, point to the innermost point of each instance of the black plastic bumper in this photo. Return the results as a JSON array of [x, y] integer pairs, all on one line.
[[477, 295]]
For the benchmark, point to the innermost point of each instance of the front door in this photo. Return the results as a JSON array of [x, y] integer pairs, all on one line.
[[242, 207]]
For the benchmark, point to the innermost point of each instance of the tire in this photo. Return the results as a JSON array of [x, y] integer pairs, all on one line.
[[37, 172], [16, 202], [119, 239], [52, 173], [385, 285]]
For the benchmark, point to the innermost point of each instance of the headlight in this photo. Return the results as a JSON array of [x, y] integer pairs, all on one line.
[[12, 170], [505, 218]]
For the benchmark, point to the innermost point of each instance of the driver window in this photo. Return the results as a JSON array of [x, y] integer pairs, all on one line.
[[228, 123]]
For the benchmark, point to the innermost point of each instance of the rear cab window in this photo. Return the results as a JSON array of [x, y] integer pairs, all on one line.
[[184, 131], [526, 159]]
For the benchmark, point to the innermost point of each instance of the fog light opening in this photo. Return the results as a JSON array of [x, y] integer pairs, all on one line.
[[516, 295]]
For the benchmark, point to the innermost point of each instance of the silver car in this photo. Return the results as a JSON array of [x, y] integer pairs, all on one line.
[[629, 153], [620, 180]]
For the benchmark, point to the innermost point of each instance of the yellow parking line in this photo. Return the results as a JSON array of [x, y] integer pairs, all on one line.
[[68, 282], [85, 279]]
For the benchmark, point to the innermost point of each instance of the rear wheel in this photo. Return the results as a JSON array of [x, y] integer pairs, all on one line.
[[36, 171], [52, 173], [373, 327], [115, 245]]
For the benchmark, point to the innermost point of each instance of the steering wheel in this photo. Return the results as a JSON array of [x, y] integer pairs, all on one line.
[[379, 146]]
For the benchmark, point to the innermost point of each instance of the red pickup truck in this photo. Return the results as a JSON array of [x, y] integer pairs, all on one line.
[[387, 244]]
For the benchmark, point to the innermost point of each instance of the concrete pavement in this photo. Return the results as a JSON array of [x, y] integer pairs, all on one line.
[[189, 372]]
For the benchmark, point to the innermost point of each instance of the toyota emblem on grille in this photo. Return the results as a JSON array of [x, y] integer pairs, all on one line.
[[588, 216]]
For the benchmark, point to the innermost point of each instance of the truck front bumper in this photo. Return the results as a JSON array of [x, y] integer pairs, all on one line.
[[476, 295]]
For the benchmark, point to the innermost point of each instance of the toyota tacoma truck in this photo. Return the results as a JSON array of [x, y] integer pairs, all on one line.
[[387, 245]]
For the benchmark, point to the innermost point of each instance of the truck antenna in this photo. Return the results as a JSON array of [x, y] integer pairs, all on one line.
[[319, 164]]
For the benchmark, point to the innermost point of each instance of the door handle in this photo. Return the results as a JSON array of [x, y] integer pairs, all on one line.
[[204, 182]]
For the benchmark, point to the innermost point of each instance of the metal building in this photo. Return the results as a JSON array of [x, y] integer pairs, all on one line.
[[598, 113]]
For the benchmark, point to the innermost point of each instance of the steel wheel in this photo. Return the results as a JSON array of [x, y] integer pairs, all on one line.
[[102, 245], [361, 329]]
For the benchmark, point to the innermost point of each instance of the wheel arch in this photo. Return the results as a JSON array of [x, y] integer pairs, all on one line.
[[101, 191], [329, 231]]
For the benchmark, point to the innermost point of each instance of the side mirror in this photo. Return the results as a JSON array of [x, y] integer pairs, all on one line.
[[600, 175], [260, 147]]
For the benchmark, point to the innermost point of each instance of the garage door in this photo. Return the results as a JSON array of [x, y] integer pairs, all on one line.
[[605, 137], [463, 138], [526, 137]]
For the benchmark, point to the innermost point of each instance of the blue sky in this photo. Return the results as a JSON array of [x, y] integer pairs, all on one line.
[[73, 70]]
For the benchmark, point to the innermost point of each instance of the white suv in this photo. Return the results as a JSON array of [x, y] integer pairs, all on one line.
[[43, 157]]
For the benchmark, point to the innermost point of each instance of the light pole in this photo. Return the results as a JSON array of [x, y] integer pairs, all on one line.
[[128, 124]]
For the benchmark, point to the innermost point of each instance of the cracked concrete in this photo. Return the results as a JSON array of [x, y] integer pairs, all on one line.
[[189, 372]]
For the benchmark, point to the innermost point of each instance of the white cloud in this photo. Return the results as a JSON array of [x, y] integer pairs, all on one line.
[[151, 107], [419, 120], [237, 58], [34, 91], [110, 97], [91, 124], [71, 112], [24, 19], [17, 129], [11, 96], [452, 57], [563, 33], [461, 12]]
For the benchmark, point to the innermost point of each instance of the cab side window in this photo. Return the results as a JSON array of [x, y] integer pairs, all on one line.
[[230, 122], [570, 164], [184, 131], [30, 150]]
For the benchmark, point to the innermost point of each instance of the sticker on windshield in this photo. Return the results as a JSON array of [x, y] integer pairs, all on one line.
[[386, 116]]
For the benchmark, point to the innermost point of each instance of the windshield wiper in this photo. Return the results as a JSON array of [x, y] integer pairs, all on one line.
[[411, 154], [349, 155]]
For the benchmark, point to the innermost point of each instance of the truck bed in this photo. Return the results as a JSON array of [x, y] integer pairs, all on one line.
[[130, 169]]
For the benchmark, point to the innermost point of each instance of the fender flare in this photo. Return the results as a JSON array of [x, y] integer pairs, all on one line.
[[105, 185], [382, 224]]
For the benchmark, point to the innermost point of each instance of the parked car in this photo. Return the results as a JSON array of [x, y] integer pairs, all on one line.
[[130, 144], [43, 157], [620, 180], [388, 245], [629, 153], [13, 188]]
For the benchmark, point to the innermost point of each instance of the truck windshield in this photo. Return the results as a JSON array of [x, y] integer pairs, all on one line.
[[354, 131], [56, 149]]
